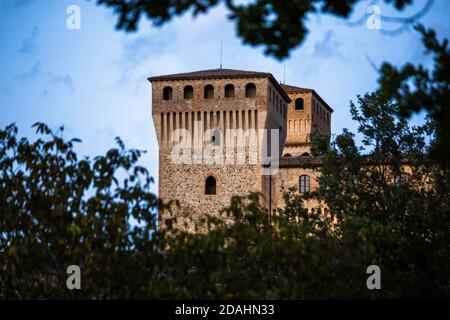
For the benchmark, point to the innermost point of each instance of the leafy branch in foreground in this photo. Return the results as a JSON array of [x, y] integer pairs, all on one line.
[[415, 89], [277, 25], [56, 210], [390, 201], [383, 203]]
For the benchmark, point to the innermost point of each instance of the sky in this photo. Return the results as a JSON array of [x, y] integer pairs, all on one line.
[[94, 80]]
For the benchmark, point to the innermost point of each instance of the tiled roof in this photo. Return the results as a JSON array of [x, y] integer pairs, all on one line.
[[211, 74], [221, 73], [294, 89], [311, 161], [292, 162]]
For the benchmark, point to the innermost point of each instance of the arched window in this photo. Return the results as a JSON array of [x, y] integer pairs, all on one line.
[[167, 93], [304, 183], [229, 91], [250, 90], [305, 154], [210, 185], [299, 104], [188, 92], [287, 155], [209, 92]]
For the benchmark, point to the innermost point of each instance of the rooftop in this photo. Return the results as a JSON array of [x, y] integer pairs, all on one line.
[[370, 159], [299, 161], [212, 74], [293, 89]]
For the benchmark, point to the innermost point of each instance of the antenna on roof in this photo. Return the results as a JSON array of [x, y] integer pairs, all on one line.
[[220, 53]]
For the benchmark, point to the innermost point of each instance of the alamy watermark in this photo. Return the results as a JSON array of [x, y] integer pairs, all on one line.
[[73, 21], [74, 279], [373, 22], [374, 280], [226, 147]]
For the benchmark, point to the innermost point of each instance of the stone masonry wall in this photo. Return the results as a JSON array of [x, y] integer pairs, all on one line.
[[186, 182]]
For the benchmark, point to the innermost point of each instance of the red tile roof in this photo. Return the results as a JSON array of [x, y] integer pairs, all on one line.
[[299, 162], [312, 161], [293, 89], [211, 74]]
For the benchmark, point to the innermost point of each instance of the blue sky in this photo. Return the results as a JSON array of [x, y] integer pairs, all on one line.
[[93, 80]]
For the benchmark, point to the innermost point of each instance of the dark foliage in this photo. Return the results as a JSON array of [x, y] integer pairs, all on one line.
[[56, 210], [415, 89], [277, 25]]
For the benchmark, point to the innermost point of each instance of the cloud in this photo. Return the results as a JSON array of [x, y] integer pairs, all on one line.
[[65, 79], [29, 45], [142, 47], [20, 3], [139, 53], [14, 4], [34, 73], [37, 73], [328, 46], [5, 92]]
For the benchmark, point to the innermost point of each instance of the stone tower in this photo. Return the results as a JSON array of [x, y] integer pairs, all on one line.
[[307, 111], [217, 99]]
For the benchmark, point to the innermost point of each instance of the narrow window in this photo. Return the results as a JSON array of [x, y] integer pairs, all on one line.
[[299, 104], [209, 92], [304, 183], [215, 138], [188, 92], [229, 91], [162, 127], [167, 93], [224, 117], [210, 185], [250, 90]]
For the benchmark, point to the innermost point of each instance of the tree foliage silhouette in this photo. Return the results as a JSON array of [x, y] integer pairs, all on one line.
[[385, 204], [279, 26], [416, 88]]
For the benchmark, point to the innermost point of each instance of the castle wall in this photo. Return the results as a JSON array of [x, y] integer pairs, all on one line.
[[299, 122], [289, 178], [186, 182], [302, 123], [267, 109], [321, 117]]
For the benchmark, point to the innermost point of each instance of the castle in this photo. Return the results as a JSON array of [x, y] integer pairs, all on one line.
[[208, 103]]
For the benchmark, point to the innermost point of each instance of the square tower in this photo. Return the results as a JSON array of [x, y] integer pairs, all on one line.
[[204, 104], [307, 112]]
